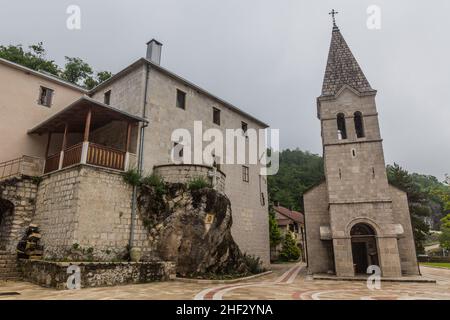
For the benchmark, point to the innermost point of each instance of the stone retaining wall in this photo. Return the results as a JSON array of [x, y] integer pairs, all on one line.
[[95, 274], [17, 199], [84, 213], [184, 173]]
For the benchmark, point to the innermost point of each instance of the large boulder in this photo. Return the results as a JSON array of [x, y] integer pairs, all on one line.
[[191, 228]]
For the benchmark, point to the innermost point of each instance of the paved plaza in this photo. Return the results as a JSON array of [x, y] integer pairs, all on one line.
[[286, 282]]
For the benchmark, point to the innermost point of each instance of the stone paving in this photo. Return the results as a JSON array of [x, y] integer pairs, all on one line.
[[287, 282]]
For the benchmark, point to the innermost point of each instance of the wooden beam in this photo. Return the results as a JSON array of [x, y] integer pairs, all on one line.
[[48, 144], [127, 143], [87, 125], [64, 142]]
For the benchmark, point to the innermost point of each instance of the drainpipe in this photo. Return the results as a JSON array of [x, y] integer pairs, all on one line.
[[140, 158]]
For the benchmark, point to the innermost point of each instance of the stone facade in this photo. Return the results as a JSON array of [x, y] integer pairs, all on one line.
[[186, 173], [95, 274], [355, 219], [86, 208], [248, 199]]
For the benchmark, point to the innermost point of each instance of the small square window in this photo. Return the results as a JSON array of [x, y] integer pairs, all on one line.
[[45, 97], [181, 99], [107, 97], [245, 174], [244, 126], [216, 116]]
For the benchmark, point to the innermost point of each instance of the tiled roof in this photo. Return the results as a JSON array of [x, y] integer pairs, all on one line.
[[290, 214], [342, 68]]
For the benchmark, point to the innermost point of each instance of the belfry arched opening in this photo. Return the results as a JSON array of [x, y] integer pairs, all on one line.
[[364, 247]]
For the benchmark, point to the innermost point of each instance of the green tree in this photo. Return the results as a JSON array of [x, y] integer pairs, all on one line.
[[274, 230], [446, 222], [91, 82], [33, 58], [418, 202], [76, 71], [298, 172], [290, 250]]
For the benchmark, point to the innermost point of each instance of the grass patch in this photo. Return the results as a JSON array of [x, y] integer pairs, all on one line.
[[436, 264], [198, 183]]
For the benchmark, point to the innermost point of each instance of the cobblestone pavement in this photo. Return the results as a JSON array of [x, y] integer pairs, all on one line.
[[288, 281]]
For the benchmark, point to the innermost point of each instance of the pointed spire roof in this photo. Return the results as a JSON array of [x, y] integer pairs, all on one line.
[[342, 68]]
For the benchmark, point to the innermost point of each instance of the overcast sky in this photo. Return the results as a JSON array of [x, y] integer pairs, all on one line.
[[268, 58]]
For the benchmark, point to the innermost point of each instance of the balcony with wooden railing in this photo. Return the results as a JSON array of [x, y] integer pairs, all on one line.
[[103, 148]]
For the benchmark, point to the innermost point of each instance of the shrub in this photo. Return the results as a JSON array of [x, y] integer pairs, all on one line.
[[253, 264], [290, 251], [156, 182], [198, 183], [132, 177]]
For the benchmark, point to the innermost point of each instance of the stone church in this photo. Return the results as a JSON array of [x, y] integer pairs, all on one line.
[[355, 218]]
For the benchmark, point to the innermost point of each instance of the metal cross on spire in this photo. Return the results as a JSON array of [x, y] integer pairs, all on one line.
[[333, 14]]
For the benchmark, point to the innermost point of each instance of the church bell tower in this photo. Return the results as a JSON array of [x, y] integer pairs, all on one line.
[[366, 221]]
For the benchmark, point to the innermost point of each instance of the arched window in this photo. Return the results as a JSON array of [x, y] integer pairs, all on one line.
[[342, 131], [359, 126]]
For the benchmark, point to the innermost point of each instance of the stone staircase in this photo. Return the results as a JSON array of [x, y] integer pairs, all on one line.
[[8, 266]]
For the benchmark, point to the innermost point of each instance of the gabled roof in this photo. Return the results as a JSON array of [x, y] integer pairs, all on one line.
[[290, 214], [46, 76], [342, 68], [141, 61]]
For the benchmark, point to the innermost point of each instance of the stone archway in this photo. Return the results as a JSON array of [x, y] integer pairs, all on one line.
[[6, 221], [364, 247]]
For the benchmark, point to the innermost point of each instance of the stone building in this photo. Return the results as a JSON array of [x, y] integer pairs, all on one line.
[[70, 147], [354, 218]]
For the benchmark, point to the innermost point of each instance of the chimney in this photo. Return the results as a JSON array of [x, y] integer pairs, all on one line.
[[154, 51]]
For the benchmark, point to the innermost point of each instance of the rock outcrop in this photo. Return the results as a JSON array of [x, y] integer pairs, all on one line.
[[191, 228]]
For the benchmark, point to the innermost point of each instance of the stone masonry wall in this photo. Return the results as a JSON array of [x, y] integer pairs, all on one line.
[[17, 199], [406, 245], [96, 274], [186, 173], [320, 259], [87, 209], [249, 200]]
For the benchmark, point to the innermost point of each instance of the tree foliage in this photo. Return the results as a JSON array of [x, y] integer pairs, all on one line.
[[76, 70], [33, 58], [418, 200], [299, 170], [444, 237], [290, 250]]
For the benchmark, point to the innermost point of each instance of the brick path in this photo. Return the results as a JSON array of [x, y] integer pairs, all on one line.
[[288, 281]]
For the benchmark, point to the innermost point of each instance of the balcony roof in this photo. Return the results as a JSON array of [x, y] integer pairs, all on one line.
[[75, 116]]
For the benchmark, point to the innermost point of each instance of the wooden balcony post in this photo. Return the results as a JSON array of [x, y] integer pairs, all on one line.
[[127, 147], [63, 146], [127, 143], [47, 149], [87, 128]]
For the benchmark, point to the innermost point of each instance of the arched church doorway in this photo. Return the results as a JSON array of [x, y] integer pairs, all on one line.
[[6, 217], [364, 247]]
